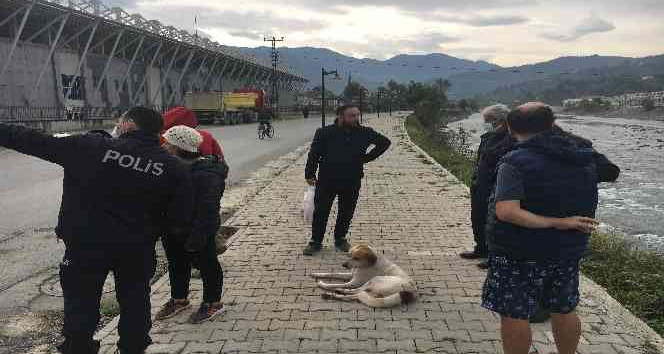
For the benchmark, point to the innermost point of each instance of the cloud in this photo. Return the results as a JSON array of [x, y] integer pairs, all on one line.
[[420, 5], [246, 34], [378, 47], [476, 20], [585, 27]]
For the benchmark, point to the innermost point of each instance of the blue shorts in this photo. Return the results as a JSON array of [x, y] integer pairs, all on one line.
[[516, 289]]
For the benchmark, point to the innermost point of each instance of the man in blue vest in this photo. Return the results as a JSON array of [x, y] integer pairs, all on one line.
[[541, 219]]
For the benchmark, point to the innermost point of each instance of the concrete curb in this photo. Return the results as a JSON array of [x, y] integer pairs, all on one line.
[[591, 289]]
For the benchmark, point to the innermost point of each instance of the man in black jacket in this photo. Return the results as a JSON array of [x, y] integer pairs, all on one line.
[[495, 143], [118, 195], [339, 152]]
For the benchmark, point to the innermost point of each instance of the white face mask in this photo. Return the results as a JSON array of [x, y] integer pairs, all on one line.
[[116, 132], [488, 127]]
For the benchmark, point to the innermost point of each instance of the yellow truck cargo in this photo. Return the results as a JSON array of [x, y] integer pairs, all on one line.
[[226, 107]]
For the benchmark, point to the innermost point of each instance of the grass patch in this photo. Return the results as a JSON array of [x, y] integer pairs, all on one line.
[[443, 153], [109, 308], [633, 277]]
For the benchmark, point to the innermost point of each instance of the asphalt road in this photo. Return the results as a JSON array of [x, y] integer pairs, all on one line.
[[30, 192]]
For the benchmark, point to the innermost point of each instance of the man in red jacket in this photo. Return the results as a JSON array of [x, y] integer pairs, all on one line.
[[185, 116]]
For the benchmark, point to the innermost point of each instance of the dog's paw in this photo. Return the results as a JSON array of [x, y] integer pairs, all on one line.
[[326, 296]]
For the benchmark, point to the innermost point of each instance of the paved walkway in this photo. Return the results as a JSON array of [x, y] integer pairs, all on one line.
[[417, 214]]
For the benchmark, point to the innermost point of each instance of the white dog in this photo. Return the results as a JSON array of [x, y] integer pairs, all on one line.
[[375, 281]]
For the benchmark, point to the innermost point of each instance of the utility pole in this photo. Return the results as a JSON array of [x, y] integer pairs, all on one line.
[[274, 84]]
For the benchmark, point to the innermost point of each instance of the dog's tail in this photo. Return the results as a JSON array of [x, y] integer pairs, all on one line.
[[400, 298]]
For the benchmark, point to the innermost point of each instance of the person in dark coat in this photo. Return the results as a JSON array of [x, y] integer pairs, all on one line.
[[198, 245], [541, 216], [493, 145], [339, 152], [119, 196]]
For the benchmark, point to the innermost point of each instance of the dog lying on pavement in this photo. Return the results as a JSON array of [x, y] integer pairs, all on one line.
[[374, 280]]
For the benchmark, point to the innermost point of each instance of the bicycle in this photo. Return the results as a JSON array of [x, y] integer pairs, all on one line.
[[265, 130]]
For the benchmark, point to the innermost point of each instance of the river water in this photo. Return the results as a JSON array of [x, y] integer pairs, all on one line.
[[634, 205]]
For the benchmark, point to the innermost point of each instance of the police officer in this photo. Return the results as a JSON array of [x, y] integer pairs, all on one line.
[[118, 196]]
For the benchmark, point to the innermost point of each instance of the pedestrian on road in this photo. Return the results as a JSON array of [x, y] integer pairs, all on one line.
[[495, 143], [541, 220], [339, 152], [305, 112], [185, 116], [119, 195], [199, 243]]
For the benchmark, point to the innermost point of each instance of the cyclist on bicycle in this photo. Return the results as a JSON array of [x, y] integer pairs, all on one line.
[[264, 120]]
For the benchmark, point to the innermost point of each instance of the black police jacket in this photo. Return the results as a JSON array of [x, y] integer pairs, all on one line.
[[115, 191], [340, 154]]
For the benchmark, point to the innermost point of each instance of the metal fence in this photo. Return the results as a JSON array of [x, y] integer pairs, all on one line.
[[53, 113]]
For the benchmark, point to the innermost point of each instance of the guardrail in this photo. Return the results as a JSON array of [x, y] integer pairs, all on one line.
[[17, 114]]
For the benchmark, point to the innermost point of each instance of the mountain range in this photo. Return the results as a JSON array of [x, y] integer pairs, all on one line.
[[468, 78]]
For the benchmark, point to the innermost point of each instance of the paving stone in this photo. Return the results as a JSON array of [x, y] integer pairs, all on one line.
[[329, 345], [414, 334], [203, 348], [312, 334], [387, 345], [283, 346], [246, 325], [278, 324], [362, 346], [448, 335], [172, 348], [242, 347], [331, 324], [399, 324], [338, 334], [219, 335]]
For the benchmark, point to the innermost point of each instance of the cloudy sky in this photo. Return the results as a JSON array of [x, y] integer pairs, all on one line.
[[505, 32]]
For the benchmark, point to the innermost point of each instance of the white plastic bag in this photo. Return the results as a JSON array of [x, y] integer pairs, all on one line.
[[308, 204]]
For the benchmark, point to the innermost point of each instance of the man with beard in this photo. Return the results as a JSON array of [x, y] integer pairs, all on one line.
[[339, 152]]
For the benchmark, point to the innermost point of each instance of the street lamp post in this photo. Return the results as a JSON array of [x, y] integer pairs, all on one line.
[[362, 91], [322, 92], [378, 102]]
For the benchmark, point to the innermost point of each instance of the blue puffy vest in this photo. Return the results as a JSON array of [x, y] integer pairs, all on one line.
[[560, 181]]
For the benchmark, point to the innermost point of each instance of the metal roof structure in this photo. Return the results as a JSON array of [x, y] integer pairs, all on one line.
[[90, 26]]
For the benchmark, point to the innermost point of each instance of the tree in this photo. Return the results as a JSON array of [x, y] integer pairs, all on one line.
[[353, 91]]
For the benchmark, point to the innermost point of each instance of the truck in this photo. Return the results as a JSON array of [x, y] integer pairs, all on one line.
[[238, 106]]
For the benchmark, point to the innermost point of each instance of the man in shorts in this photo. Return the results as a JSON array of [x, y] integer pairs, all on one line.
[[541, 218]]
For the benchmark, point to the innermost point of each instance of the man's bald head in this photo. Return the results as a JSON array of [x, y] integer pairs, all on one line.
[[531, 118]]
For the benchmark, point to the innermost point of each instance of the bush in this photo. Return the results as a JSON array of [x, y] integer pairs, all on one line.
[[429, 114]]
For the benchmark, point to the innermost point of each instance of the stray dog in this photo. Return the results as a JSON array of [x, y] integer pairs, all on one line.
[[375, 281]]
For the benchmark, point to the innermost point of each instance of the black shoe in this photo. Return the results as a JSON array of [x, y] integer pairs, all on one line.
[[483, 265], [540, 316], [343, 246], [67, 347], [311, 250], [475, 254]]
